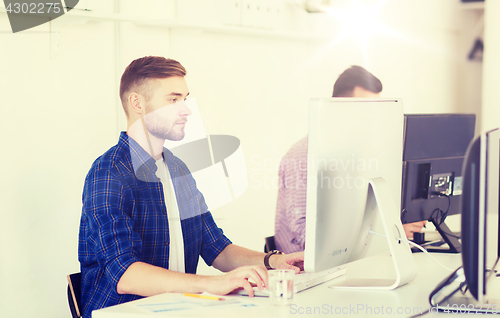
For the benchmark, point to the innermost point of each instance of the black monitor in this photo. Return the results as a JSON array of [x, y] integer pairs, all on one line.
[[433, 153], [480, 228], [480, 210]]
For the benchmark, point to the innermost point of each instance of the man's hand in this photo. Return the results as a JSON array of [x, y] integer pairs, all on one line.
[[411, 228], [238, 278], [293, 261]]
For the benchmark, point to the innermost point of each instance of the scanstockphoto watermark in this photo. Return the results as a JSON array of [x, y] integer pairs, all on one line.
[[292, 173], [354, 309]]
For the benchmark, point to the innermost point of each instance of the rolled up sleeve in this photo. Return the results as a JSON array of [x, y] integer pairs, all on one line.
[[214, 240]]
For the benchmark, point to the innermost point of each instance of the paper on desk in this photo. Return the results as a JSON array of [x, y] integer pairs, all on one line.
[[183, 303]]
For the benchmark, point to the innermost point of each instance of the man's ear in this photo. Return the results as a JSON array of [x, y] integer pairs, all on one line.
[[134, 102]]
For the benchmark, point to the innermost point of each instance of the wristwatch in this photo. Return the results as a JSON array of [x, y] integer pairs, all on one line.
[[268, 255]]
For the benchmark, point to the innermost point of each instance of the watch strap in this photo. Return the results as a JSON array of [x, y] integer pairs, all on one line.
[[268, 255]]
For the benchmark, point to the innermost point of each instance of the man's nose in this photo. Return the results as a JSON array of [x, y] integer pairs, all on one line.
[[185, 110]]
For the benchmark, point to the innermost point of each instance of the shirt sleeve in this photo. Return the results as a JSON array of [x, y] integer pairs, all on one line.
[[214, 240], [116, 245]]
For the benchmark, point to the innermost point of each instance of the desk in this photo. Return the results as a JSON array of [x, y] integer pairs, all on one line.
[[322, 301]]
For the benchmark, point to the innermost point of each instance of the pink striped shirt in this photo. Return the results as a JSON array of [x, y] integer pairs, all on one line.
[[290, 226]]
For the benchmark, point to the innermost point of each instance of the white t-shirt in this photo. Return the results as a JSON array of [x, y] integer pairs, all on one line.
[[176, 257]]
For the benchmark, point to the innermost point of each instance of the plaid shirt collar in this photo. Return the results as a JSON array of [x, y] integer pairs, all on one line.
[[143, 164]]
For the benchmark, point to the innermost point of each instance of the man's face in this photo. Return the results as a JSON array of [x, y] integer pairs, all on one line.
[[361, 92], [166, 112]]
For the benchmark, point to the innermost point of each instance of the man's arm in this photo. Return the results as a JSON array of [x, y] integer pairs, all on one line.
[[234, 256], [146, 280], [240, 264]]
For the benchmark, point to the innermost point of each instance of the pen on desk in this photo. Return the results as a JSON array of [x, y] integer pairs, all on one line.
[[204, 296]]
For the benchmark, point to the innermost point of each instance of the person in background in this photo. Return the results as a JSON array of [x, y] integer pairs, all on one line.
[[144, 223], [290, 222]]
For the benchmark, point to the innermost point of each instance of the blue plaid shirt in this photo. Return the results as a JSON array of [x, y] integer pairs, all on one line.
[[124, 220]]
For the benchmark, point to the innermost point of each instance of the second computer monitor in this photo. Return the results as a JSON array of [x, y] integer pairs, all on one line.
[[434, 150], [351, 141]]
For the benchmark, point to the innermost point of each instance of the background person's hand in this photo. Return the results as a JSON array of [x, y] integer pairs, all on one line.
[[411, 228], [293, 261]]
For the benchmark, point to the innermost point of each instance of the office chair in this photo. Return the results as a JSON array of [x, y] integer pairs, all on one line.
[[75, 294], [270, 245]]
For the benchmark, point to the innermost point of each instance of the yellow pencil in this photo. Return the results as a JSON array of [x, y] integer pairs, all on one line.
[[204, 296]]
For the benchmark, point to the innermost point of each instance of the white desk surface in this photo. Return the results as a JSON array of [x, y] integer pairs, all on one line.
[[322, 301]]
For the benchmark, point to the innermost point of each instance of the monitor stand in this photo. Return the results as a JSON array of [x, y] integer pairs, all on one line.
[[380, 202], [452, 297], [448, 237]]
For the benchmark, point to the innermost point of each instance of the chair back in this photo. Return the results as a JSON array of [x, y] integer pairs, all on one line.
[[270, 245], [75, 294]]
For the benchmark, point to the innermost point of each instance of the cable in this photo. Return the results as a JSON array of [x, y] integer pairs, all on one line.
[[440, 219], [425, 251], [417, 246], [431, 243], [445, 214]]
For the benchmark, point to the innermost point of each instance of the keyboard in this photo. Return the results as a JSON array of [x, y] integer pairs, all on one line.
[[303, 281]]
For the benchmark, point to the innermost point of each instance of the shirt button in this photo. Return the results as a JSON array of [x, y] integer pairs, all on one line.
[[166, 242]]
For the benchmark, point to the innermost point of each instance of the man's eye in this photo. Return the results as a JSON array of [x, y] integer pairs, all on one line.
[[174, 100]]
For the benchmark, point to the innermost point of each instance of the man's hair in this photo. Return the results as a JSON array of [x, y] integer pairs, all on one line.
[[142, 70], [355, 76]]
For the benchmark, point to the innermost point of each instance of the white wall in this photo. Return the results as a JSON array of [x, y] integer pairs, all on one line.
[[60, 113], [491, 75]]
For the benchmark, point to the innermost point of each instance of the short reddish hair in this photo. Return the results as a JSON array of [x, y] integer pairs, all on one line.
[[137, 75]]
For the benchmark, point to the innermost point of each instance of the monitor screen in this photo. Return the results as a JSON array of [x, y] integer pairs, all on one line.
[[351, 141]]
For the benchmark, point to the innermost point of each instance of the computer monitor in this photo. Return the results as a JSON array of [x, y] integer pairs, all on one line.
[[354, 170], [480, 225], [480, 210], [433, 153]]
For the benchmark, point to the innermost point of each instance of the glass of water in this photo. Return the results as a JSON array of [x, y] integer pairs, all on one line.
[[281, 286]]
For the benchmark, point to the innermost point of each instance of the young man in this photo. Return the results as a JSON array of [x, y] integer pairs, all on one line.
[[144, 223], [290, 223]]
